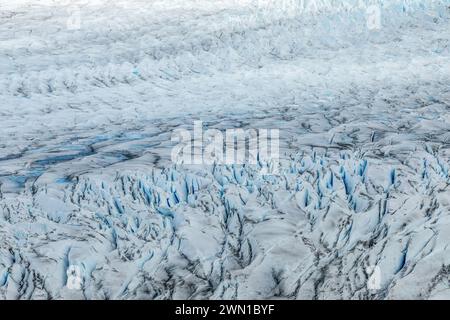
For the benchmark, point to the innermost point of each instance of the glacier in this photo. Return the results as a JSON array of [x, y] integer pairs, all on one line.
[[91, 92]]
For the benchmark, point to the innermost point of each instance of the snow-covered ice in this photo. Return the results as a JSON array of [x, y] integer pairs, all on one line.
[[91, 206]]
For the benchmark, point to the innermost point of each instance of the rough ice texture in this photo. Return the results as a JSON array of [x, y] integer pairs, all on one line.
[[86, 178]]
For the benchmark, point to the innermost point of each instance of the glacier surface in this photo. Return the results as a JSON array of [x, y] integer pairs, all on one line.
[[91, 92]]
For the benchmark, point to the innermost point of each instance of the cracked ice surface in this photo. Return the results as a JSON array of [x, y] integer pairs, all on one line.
[[85, 172]]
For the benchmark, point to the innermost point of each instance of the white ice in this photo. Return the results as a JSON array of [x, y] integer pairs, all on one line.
[[360, 209]]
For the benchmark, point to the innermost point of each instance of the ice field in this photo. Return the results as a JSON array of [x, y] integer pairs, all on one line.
[[92, 207]]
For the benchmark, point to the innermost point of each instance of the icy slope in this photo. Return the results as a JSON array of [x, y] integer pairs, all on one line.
[[360, 209]]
